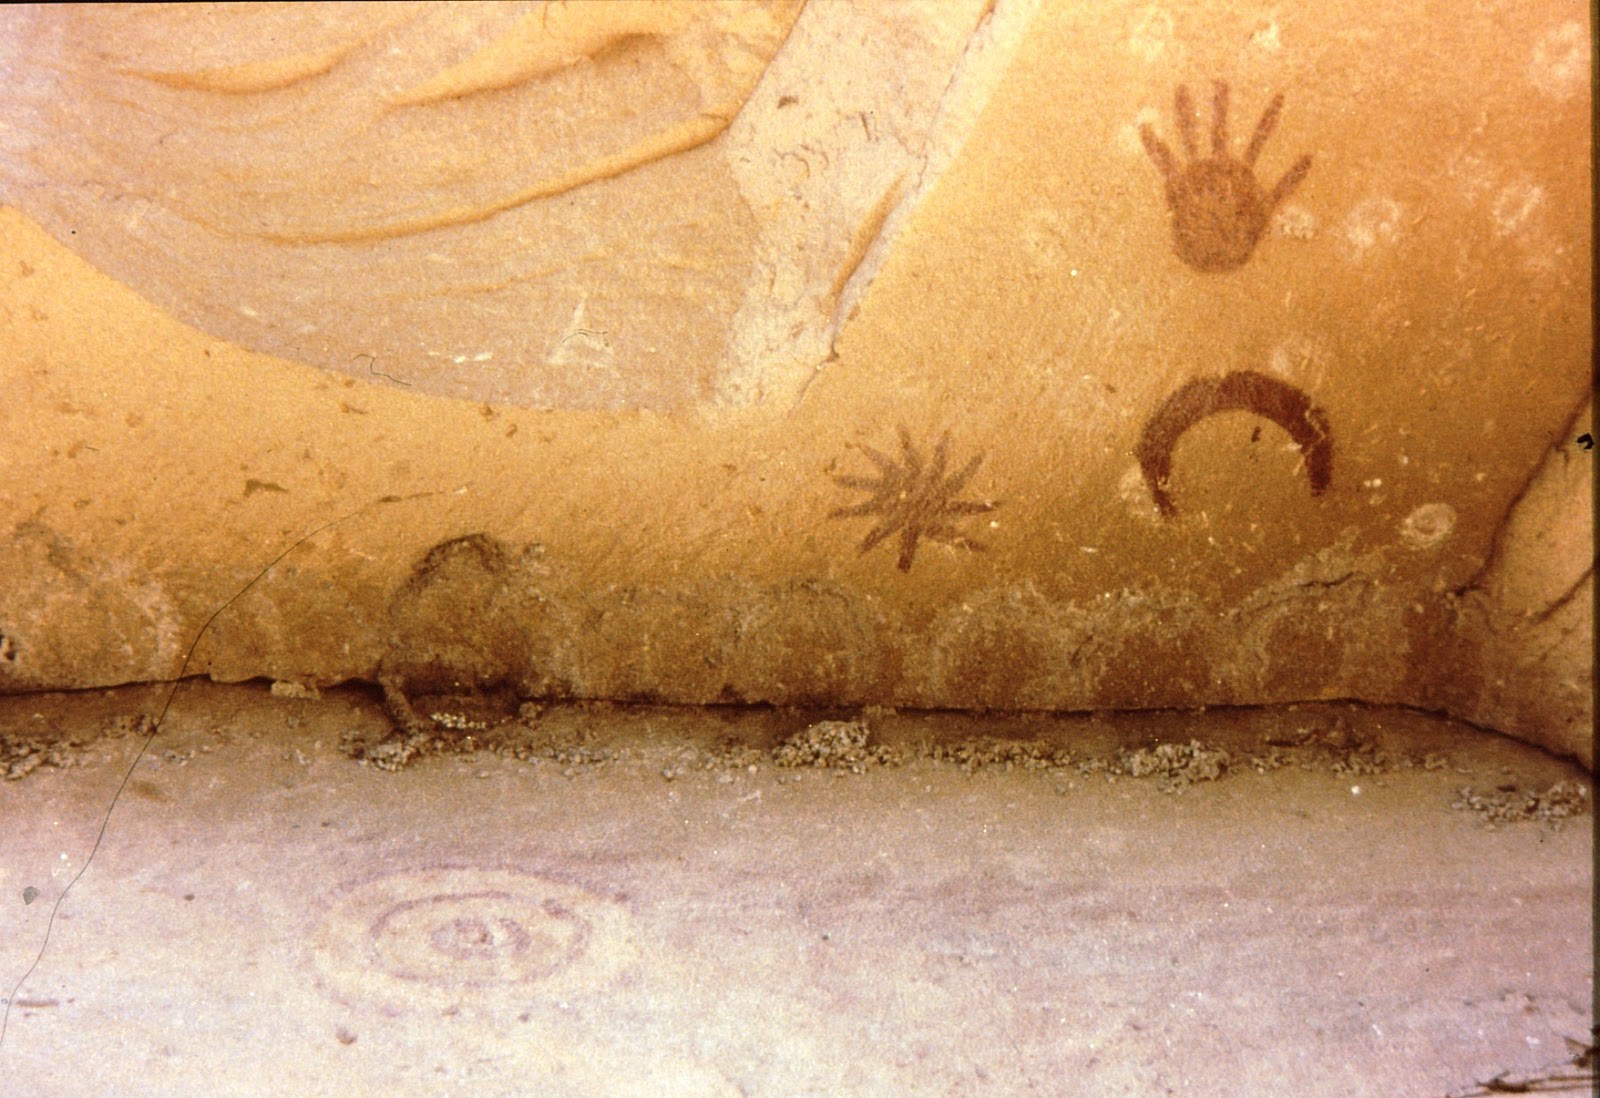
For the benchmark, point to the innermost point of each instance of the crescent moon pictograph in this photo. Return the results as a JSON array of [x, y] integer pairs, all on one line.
[[1241, 391]]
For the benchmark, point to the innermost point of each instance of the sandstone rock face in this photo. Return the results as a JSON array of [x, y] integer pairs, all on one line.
[[1007, 355], [548, 205]]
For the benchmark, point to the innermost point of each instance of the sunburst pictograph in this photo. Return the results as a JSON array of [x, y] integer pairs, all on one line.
[[914, 498]]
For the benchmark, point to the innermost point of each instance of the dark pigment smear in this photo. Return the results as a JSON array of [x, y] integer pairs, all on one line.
[[1241, 391]]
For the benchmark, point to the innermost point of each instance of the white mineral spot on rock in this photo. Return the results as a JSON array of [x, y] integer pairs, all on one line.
[[1302, 359], [1514, 205], [1428, 525], [1372, 222], [1560, 65], [1150, 33], [1267, 37], [1296, 223]]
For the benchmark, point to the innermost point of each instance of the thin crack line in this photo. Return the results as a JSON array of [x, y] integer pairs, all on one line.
[[155, 729]]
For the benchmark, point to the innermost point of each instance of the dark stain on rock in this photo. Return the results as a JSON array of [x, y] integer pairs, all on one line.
[[252, 486], [149, 791], [452, 628]]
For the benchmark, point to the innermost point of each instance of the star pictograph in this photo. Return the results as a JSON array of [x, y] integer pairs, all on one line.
[[914, 498]]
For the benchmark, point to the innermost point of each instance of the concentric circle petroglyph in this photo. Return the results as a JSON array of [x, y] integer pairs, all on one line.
[[1428, 525], [450, 936]]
